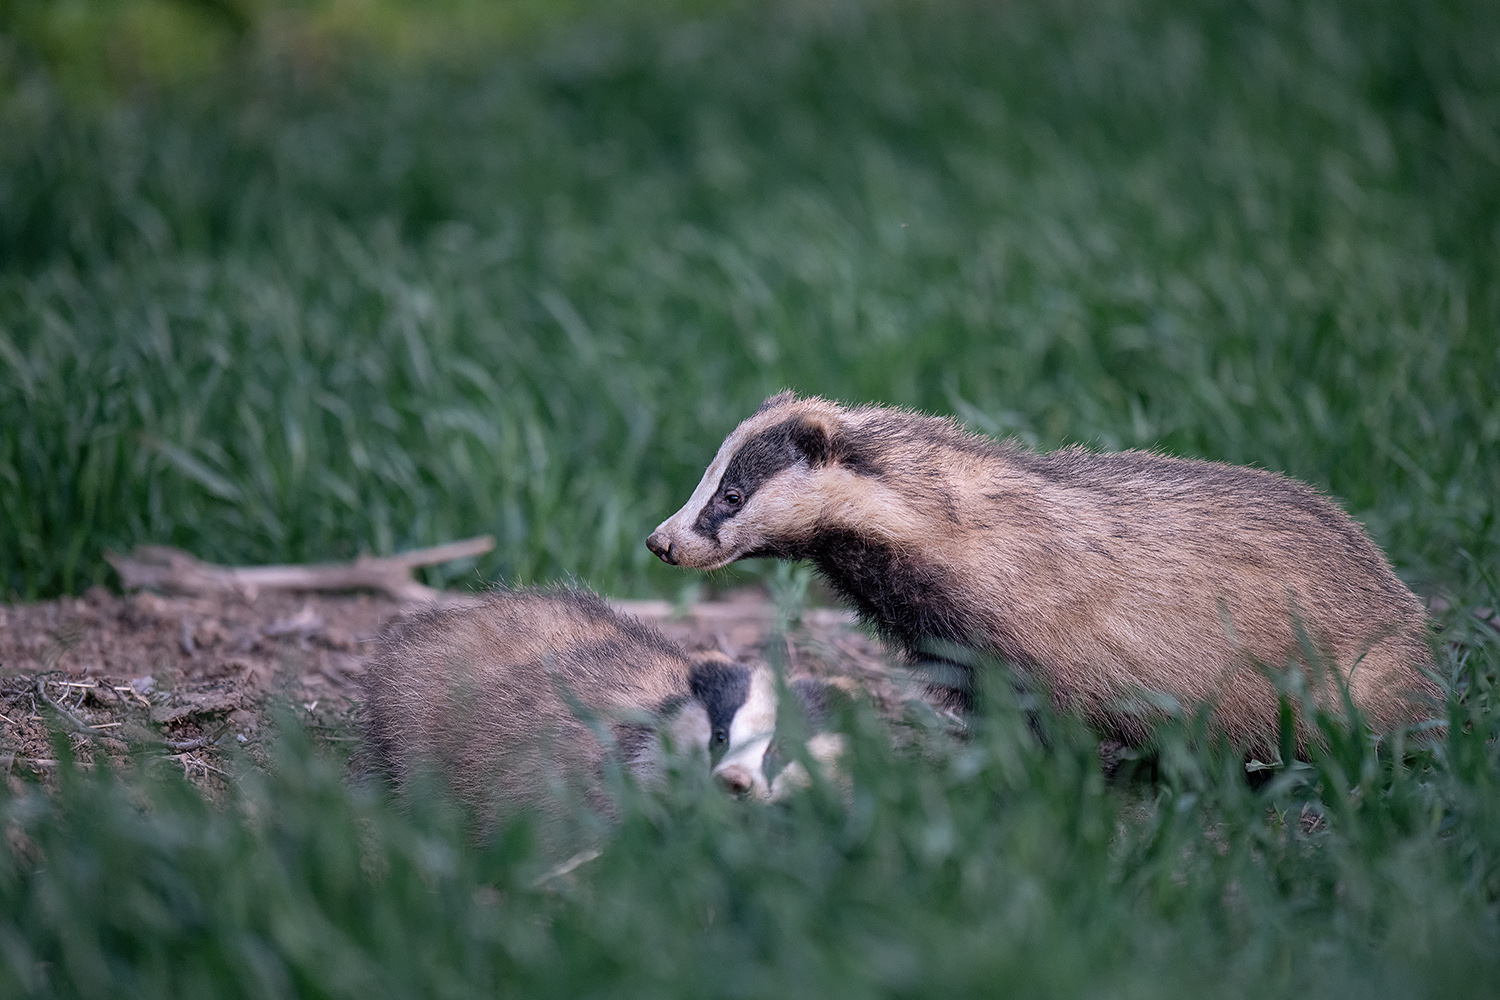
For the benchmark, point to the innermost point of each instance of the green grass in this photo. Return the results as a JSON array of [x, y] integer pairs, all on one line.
[[528, 293], [314, 308], [990, 866]]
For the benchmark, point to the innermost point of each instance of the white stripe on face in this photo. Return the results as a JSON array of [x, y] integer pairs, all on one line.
[[751, 730], [677, 527], [682, 522]]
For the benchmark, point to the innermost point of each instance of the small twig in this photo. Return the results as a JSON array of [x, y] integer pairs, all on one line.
[[120, 693], [182, 746], [77, 723], [185, 760], [87, 730]]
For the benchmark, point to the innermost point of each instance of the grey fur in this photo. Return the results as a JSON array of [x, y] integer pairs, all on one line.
[[1108, 576], [520, 701]]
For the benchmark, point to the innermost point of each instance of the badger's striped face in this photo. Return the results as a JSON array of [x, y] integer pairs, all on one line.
[[761, 493], [741, 706], [732, 716]]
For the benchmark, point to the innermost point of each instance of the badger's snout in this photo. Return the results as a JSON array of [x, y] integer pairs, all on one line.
[[659, 544], [734, 779]]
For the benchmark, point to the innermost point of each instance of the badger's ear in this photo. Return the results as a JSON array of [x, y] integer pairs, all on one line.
[[819, 438], [812, 441]]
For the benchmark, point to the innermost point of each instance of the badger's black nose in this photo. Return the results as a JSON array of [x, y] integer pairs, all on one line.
[[658, 543]]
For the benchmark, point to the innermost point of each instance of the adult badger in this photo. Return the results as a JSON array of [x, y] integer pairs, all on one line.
[[505, 701], [1110, 576]]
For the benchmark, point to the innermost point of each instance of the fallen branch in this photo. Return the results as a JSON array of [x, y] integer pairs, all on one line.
[[158, 567]]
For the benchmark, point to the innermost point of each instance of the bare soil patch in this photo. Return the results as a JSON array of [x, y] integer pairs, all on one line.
[[198, 675]]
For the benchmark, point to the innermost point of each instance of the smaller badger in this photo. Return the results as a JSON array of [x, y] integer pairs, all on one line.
[[506, 702], [1114, 578]]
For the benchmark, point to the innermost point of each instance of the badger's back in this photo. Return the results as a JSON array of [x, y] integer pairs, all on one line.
[[1195, 579], [502, 700], [1118, 575]]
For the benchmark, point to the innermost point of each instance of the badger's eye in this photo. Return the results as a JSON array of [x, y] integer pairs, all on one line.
[[732, 497], [721, 736]]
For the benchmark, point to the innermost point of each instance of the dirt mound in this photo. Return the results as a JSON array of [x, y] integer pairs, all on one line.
[[201, 673]]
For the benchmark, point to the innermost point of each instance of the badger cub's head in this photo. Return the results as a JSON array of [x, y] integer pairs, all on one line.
[[767, 489], [732, 717]]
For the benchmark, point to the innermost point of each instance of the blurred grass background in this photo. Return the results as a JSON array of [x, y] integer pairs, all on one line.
[[370, 276], [288, 281]]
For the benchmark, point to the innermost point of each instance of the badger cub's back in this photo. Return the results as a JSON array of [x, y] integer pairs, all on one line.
[[506, 702], [1109, 576]]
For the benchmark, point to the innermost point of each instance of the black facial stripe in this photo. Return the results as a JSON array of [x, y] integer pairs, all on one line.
[[762, 457], [756, 461], [721, 688]]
